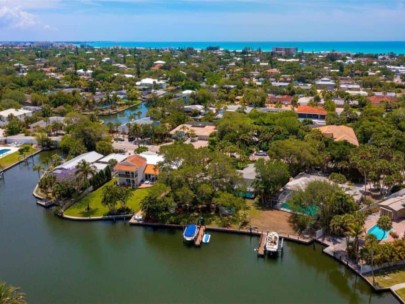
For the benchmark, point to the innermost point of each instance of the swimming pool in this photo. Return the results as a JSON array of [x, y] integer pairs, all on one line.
[[379, 233], [3, 151], [310, 210]]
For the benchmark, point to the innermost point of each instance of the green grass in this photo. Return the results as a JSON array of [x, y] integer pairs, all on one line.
[[97, 208], [401, 293], [15, 157], [390, 277]]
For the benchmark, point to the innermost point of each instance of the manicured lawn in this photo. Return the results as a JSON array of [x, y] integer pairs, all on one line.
[[97, 208], [401, 293], [15, 157], [389, 278]]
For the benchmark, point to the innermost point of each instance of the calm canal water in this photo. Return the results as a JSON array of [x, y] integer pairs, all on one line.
[[57, 261], [123, 117]]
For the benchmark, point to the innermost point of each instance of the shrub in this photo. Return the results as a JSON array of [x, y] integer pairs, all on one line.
[[338, 178], [394, 235]]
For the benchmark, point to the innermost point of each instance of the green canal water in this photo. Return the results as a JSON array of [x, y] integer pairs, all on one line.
[[58, 261]]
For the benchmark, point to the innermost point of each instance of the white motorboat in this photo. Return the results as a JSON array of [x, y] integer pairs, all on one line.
[[272, 242]]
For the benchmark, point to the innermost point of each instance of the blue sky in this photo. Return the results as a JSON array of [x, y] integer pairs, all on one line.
[[202, 20]]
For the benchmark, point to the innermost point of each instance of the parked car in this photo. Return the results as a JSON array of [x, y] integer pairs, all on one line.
[[261, 153]]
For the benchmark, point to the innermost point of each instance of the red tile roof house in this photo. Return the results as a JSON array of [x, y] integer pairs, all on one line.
[[380, 99], [307, 112], [282, 99], [134, 170]]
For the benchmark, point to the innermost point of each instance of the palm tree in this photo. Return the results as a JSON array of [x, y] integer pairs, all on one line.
[[11, 295], [83, 171], [38, 168], [384, 223]]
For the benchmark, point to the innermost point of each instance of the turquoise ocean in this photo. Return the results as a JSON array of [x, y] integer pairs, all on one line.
[[367, 47]]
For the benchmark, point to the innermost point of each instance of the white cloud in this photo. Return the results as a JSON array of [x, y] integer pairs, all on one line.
[[15, 17]]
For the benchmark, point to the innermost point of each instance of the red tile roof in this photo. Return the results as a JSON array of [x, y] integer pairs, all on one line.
[[380, 99], [151, 169], [311, 110], [131, 164], [281, 99]]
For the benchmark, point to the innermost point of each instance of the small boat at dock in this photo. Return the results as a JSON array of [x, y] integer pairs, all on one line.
[[272, 242], [190, 233], [206, 238]]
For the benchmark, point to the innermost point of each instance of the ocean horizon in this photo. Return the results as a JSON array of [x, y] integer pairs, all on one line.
[[366, 47]]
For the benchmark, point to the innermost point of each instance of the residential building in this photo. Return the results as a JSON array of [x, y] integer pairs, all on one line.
[[201, 130], [249, 176], [279, 99], [382, 98], [340, 133], [19, 114], [394, 206], [285, 51], [316, 114], [135, 170], [325, 83]]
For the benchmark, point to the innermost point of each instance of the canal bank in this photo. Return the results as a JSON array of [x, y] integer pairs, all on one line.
[[105, 262]]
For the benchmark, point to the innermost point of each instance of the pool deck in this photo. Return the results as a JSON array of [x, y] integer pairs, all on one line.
[[397, 226], [11, 150]]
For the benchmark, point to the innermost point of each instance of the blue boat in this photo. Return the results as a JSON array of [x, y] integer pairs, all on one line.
[[206, 238], [190, 233]]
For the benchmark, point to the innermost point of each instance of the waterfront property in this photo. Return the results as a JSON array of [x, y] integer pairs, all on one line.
[[97, 209], [4, 151], [136, 170], [9, 155]]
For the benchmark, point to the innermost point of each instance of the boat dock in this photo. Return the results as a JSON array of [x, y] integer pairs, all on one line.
[[262, 243], [45, 203], [200, 235]]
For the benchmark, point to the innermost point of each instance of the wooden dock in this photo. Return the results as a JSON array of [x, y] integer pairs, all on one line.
[[262, 243], [200, 235]]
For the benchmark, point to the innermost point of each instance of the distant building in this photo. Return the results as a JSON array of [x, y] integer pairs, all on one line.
[[201, 130], [339, 133], [279, 99], [325, 83], [285, 51], [316, 114], [381, 99], [19, 114]]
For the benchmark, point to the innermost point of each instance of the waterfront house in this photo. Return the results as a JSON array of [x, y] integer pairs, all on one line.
[[249, 176], [339, 133], [135, 170]]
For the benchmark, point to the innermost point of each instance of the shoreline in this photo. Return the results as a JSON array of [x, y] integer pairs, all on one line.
[[114, 112], [23, 160], [290, 238]]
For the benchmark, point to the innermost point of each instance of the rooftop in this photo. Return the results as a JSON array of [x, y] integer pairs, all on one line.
[[131, 164], [339, 133], [311, 110], [90, 157]]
